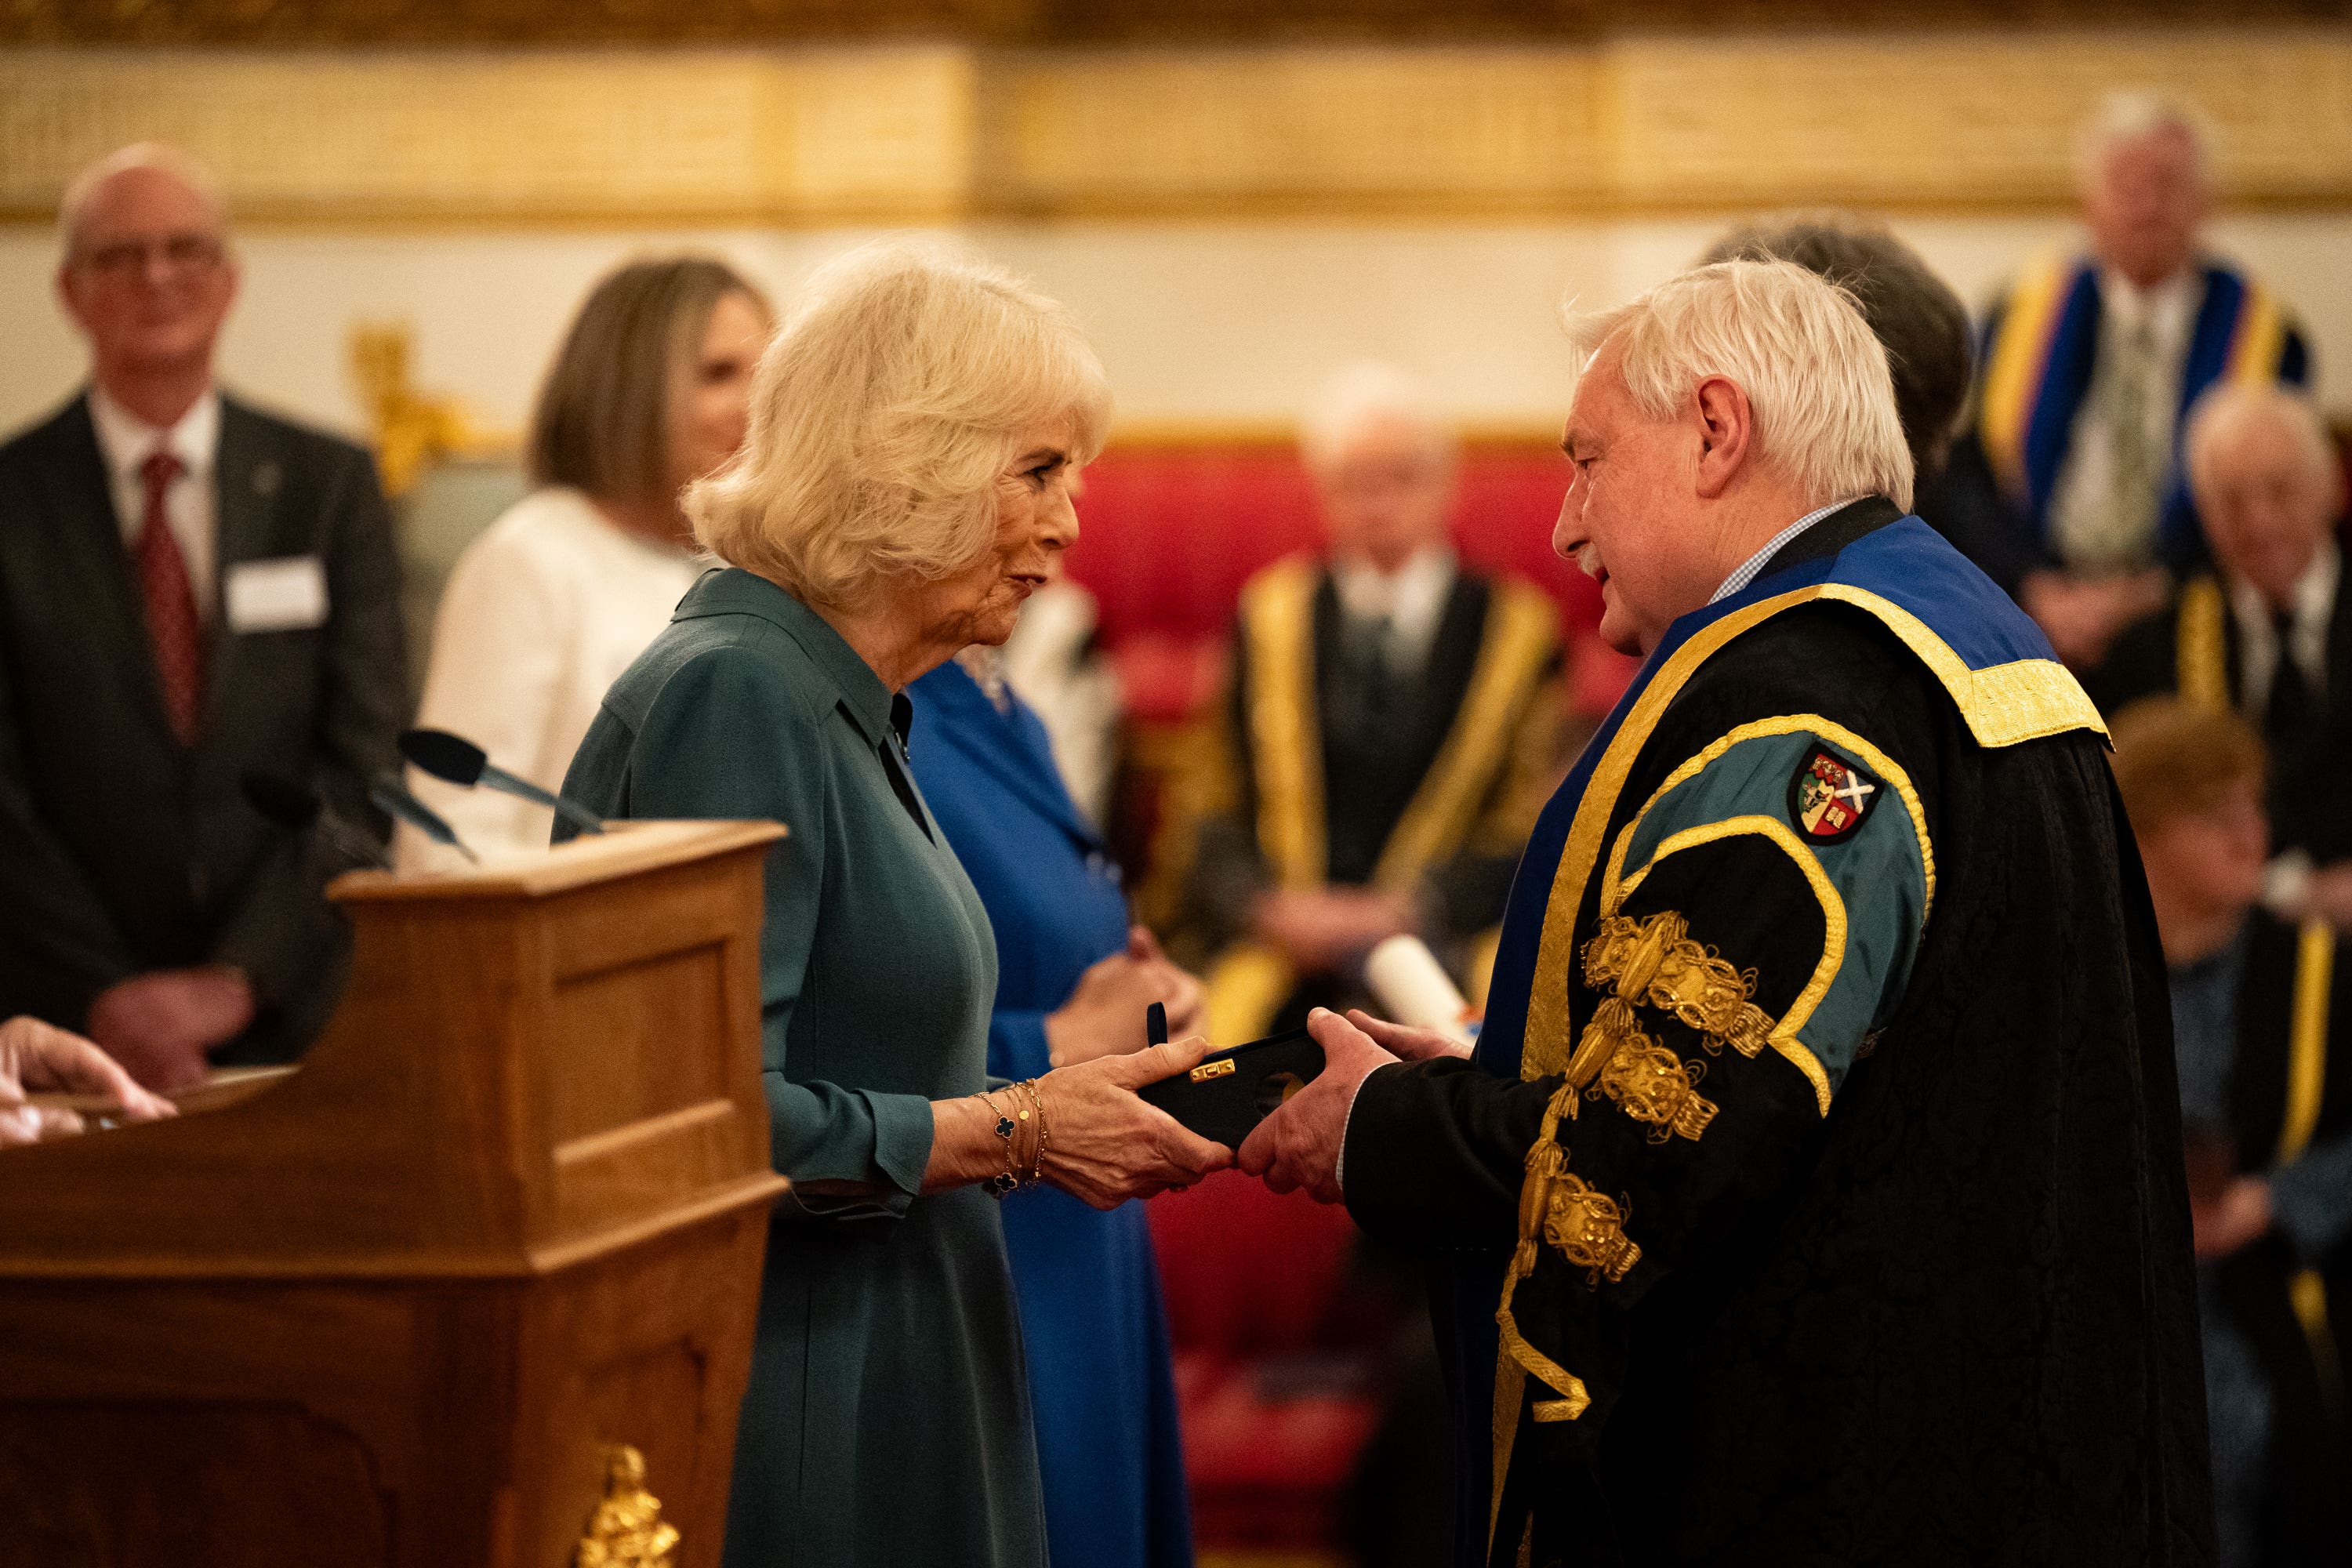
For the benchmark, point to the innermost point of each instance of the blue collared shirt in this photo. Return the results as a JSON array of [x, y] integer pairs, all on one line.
[[1748, 569]]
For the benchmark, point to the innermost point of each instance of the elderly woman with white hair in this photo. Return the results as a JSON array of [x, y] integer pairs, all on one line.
[[916, 431], [1814, 1192]]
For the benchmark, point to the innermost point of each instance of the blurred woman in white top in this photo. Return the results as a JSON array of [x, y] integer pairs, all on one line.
[[546, 609]]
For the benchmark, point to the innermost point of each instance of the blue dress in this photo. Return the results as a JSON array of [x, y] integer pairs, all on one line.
[[1090, 1309]]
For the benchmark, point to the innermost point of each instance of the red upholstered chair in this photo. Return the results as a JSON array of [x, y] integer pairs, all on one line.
[[1272, 1375]]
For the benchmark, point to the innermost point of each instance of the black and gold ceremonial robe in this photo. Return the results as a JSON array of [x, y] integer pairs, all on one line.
[[2191, 647], [1815, 1193], [2291, 1090], [1429, 793]]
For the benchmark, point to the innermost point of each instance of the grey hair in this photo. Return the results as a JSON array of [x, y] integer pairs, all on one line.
[[191, 171], [882, 416], [2227, 409], [2128, 116], [1815, 375], [1363, 393]]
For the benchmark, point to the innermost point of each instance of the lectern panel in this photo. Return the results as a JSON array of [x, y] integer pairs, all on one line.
[[625, 1041], [226, 1486]]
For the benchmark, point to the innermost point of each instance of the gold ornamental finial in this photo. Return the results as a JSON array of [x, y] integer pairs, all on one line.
[[627, 1529], [412, 428]]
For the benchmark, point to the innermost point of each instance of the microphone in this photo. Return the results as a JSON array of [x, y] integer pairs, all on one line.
[[393, 799], [296, 808], [456, 759]]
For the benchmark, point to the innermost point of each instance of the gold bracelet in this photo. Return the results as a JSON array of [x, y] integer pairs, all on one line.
[[1044, 1136], [1008, 1180]]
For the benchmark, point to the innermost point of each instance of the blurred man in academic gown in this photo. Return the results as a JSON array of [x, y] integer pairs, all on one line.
[[1814, 1191], [1393, 728], [2265, 629], [189, 588], [2261, 1016], [2068, 487]]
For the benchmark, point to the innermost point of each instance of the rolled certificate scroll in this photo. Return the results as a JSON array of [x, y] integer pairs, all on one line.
[[1414, 989]]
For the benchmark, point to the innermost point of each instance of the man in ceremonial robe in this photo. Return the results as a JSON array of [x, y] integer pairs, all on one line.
[[2069, 488], [2263, 1024], [1814, 1192], [2265, 629], [1430, 690]]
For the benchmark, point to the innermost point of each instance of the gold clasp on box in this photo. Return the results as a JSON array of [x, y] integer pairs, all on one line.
[[1208, 1070]]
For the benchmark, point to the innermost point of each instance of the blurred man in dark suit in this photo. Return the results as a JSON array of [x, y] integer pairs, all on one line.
[[2265, 629], [189, 588]]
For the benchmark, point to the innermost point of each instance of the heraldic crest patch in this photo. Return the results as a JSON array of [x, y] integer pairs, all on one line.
[[1829, 797]]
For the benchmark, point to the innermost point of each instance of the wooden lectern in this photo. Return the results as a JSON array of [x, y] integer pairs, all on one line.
[[415, 1303]]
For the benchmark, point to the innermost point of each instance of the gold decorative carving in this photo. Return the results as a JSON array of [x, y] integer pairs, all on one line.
[[921, 134], [626, 1530], [672, 138], [1029, 22], [411, 429]]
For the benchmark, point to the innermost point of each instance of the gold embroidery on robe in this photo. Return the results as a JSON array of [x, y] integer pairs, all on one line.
[[1652, 1084], [1654, 960]]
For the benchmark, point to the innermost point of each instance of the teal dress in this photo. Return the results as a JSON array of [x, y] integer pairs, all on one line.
[[887, 1416]]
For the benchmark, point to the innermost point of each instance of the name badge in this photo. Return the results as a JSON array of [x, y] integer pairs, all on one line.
[[287, 594]]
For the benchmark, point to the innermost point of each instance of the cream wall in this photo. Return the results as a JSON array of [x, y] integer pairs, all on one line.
[[1198, 321]]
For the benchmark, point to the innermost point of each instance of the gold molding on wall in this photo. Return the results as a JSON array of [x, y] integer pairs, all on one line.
[[799, 137], [937, 133]]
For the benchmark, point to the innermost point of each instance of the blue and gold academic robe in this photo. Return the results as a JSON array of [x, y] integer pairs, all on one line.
[[2039, 350], [1815, 1193]]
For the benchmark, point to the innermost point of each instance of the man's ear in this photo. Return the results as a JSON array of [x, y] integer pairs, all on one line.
[[1726, 434]]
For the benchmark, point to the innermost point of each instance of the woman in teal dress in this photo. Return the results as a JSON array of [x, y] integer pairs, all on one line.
[[916, 429]]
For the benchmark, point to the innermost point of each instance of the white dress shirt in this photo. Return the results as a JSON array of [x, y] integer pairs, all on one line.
[[1411, 599], [126, 441], [543, 613], [2079, 503], [2312, 606]]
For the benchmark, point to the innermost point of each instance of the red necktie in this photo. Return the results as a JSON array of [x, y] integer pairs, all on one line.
[[172, 621]]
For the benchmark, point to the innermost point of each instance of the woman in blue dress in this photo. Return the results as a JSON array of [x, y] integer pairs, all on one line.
[[1072, 984]]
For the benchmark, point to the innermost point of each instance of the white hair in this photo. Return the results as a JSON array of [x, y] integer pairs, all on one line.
[[73, 207], [884, 414], [1816, 378], [2128, 115], [1361, 394], [2224, 412]]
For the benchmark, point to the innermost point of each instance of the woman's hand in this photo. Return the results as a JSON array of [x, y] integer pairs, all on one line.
[[1105, 1145], [1104, 1016], [35, 1055]]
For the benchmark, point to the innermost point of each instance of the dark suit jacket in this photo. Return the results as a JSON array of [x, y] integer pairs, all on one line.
[[122, 852], [2310, 775]]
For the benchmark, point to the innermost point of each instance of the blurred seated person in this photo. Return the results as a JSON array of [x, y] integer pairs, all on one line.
[[2264, 630], [2069, 491], [36, 1057], [1432, 689], [545, 610], [1073, 980], [1910, 310], [2262, 1018], [189, 588]]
